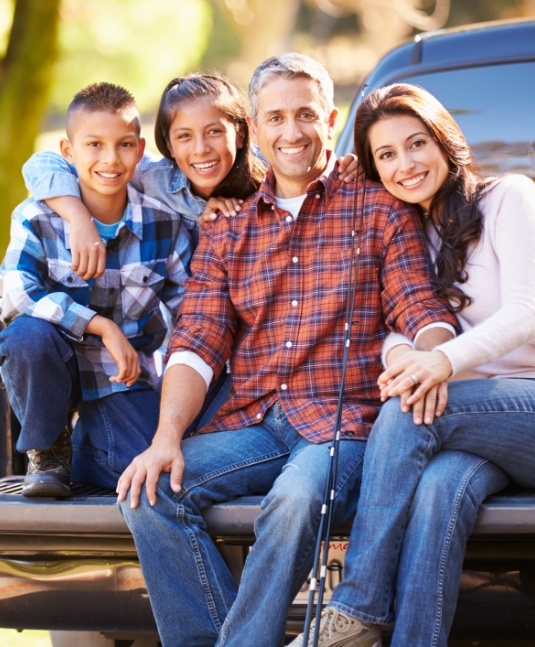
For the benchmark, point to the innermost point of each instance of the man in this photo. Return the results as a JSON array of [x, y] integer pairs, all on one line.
[[268, 292]]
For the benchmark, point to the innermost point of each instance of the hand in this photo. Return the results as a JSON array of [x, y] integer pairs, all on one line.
[[121, 350], [87, 249], [420, 369], [161, 456], [229, 207], [347, 167], [431, 405]]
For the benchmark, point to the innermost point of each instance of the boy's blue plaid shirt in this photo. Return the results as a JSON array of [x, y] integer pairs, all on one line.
[[147, 264]]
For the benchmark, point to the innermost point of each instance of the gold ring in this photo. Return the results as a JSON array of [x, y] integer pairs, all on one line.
[[415, 379]]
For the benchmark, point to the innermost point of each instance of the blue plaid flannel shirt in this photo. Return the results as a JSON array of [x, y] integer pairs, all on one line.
[[147, 265]]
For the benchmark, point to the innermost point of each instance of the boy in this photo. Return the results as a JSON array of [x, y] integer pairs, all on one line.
[[89, 345]]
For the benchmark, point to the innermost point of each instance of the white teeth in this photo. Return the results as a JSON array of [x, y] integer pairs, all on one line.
[[205, 166], [292, 151], [413, 181], [110, 176]]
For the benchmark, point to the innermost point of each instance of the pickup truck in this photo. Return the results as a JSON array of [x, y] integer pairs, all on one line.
[[70, 566]]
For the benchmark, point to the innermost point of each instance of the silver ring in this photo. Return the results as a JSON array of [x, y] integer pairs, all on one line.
[[97, 243], [415, 379]]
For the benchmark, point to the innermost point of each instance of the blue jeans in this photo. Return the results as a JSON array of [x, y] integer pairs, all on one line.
[[194, 597], [491, 418], [40, 371]]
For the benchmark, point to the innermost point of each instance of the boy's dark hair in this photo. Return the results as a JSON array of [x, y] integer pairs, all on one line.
[[103, 96]]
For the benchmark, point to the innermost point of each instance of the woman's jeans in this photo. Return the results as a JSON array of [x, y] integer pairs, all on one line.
[[40, 372], [195, 599], [492, 419]]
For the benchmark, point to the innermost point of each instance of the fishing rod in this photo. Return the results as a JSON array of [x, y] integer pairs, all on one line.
[[324, 528]]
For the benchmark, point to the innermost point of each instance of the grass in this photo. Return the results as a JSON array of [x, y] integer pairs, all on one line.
[[14, 638]]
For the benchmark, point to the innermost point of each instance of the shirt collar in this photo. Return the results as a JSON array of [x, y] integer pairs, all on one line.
[[327, 182], [133, 217]]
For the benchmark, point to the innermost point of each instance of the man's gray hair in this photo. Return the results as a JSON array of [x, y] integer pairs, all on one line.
[[291, 65]]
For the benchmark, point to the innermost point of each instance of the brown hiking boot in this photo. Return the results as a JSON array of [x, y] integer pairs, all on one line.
[[49, 470]]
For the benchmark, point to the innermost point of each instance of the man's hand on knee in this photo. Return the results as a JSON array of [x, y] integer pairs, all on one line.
[[146, 469]]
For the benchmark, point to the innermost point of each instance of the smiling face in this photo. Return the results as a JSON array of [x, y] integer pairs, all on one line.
[[203, 143], [104, 146], [293, 131], [410, 163]]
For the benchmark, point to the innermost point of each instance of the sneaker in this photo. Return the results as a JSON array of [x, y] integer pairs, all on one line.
[[49, 470], [337, 629]]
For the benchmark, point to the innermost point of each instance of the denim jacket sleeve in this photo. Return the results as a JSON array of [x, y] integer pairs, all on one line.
[[49, 175]]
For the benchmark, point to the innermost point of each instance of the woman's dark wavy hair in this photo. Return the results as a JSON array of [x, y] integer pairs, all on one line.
[[454, 210], [247, 172]]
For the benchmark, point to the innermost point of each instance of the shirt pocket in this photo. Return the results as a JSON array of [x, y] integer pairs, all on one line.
[[141, 288], [62, 277], [330, 278]]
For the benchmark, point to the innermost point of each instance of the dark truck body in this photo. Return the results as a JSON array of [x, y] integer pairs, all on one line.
[[72, 565]]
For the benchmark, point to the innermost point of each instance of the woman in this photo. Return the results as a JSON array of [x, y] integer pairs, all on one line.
[[414, 496]]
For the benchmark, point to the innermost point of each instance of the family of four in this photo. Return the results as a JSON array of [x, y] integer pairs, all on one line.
[[432, 421]]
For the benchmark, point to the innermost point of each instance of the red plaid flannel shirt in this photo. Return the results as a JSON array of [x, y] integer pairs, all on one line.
[[269, 293]]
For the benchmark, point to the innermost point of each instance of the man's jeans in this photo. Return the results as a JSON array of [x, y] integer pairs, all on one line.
[[195, 599], [40, 372], [491, 418]]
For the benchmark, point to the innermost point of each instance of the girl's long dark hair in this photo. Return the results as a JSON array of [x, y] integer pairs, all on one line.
[[454, 210], [247, 171]]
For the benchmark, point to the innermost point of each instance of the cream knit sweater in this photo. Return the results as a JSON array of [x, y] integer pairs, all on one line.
[[498, 337]]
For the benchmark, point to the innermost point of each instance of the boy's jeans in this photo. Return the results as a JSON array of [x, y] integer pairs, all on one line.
[[40, 373], [194, 597], [491, 418]]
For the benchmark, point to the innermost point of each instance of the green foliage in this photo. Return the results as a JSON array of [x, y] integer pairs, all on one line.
[[223, 44], [138, 44], [25, 76]]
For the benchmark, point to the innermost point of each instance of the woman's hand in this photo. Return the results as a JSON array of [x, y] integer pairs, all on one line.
[[228, 207], [417, 372], [347, 167]]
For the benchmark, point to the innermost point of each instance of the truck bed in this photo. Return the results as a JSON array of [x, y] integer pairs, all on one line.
[[71, 564], [92, 511]]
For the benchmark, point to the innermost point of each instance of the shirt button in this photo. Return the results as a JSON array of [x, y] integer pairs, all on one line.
[[294, 303], [318, 196], [289, 218], [284, 387], [258, 416], [295, 259], [288, 344]]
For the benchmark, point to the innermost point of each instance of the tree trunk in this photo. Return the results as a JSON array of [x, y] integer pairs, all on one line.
[[25, 78]]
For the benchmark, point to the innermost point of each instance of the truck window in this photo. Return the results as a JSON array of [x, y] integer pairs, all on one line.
[[489, 104]]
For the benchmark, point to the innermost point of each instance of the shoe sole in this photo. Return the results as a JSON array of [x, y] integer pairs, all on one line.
[[46, 488]]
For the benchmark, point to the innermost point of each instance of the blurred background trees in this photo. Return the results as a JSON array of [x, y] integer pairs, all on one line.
[[49, 49]]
